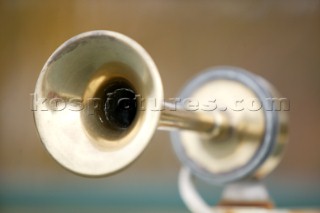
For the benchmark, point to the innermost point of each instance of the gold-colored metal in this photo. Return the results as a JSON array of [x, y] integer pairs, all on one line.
[[239, 148], [212, 127], [186, 120], [251, 132], [78, 137], [74, 76], [281, 140]]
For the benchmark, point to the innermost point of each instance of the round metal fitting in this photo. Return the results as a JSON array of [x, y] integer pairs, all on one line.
[[255, 135]]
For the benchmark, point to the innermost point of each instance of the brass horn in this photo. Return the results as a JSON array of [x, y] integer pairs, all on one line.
[[99, 100]]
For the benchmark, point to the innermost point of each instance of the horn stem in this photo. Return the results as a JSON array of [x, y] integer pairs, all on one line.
[[172, 119]]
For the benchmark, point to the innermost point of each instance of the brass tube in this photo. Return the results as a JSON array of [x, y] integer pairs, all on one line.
[[172, 119]]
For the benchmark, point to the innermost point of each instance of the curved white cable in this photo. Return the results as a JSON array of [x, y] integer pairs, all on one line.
[[196, 204], [190, 195]]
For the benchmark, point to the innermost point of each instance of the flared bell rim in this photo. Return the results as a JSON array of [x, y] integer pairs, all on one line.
[[120, 158]]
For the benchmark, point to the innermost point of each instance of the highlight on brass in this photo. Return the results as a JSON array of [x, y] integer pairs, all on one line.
[[111, 74], [89, 66], [116, 103], [217, 146]]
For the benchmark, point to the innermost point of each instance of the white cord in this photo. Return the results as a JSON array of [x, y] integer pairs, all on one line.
[[196, 204], [190, 195]]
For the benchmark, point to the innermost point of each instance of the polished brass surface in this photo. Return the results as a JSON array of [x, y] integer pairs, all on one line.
[[82, 139], [78, 136], [239, 147], [76, 74], [282, 138], [256, 127], [184, 120]]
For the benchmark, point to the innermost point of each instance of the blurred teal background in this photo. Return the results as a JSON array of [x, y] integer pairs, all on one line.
[[277, 39]]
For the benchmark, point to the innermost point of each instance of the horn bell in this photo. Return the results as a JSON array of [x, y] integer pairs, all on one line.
[[75, 121]]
